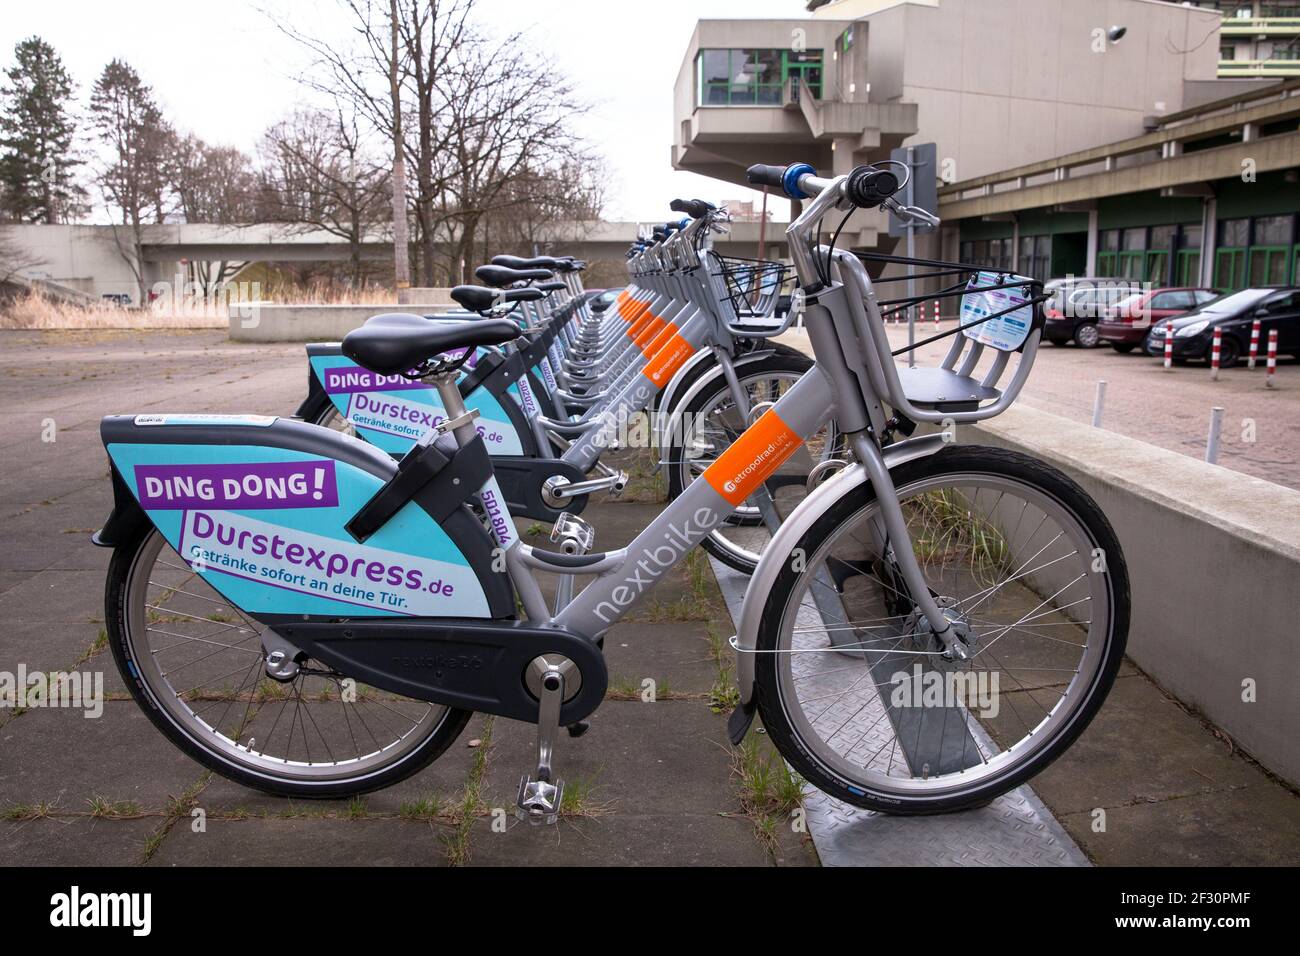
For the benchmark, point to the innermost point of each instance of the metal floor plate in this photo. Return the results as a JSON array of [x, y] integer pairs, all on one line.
[[1014, 830]]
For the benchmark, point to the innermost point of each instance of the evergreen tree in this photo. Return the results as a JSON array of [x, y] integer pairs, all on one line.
[[37, 160]]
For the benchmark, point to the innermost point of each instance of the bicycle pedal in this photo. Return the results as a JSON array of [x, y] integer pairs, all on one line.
[[578, 729], [574, 535], [620, 485], [539, 801]]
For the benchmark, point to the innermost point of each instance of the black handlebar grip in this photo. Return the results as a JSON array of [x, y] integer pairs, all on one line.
[[772, 176], [695, 208], [868, 186]]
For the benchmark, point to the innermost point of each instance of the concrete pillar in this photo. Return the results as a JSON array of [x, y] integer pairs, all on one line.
[[1094, 242], [842, 155], [1209, 238], [1015, 243], [1250, 132]]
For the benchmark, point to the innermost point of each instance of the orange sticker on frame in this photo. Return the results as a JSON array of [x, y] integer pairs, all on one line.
[[752, 458], [665, 363], [659, 341], [635, 329], [649, 332]]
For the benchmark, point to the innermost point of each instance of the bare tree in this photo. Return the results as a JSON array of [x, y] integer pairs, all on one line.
[[401, 229], [315, 171], [508, 127], [429, 33], [133, 179], [215, 184]]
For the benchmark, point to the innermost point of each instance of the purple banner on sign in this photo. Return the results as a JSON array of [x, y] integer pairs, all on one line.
[[244, 486], [342, 381]]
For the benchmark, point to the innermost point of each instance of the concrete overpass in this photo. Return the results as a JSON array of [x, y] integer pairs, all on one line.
[[94, 259]]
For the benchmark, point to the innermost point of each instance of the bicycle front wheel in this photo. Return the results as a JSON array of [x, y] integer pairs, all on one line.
[[858, 694]]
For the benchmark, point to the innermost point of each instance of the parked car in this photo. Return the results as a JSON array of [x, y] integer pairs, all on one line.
[[1276, 308], [1126, 324], [602, 299], [1073, 312]]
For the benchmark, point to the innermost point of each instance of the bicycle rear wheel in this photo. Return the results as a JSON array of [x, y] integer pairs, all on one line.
[[195, 665], [856, 692]]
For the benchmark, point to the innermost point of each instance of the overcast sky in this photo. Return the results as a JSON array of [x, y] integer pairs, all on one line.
[[225, 72]]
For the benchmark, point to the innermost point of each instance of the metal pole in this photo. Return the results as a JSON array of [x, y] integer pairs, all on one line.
[[1216, 429], [1098, 404], [911, 254]]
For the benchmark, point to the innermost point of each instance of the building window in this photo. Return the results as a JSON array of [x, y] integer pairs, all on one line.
[[992, 254], [753, 77], [1270, 250], [1188, 269], [1230, 256], [1035, 257], [1234, 233]]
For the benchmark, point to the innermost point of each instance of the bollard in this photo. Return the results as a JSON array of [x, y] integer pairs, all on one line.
[[1215, 350], [1216, 429], [1098, 403], [1254, 343], [936, 315], [1272, 359], [1169, 346]]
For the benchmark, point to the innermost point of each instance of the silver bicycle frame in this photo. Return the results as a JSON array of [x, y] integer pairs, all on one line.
[[840, 386]]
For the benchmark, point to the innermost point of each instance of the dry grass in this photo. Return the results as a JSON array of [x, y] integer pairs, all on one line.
[[35, 310]]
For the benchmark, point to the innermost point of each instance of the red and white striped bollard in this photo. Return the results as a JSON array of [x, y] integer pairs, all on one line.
[[1169, 346], [1254, 343], [1215, 351], [1272, 359]]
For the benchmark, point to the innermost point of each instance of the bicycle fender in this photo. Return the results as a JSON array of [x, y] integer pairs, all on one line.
[[792, 529]]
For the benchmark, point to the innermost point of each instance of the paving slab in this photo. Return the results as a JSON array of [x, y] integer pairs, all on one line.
[[676, 839], [443, 779], [50, 647], [1251, 826], [75, 841], [304, 842], [636, 759], [1141, 746], [62, 757], [674, 655], [54, 597]]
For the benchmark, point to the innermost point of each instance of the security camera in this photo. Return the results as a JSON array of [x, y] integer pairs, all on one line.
[[1116, 33]]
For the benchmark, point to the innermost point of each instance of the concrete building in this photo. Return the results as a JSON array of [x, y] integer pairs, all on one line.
[[1259, 38], [1061, 148]]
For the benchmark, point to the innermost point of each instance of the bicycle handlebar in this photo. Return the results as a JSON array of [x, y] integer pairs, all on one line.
[[695, 208]]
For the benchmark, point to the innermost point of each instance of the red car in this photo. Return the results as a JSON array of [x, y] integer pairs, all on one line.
[[1126, 324]]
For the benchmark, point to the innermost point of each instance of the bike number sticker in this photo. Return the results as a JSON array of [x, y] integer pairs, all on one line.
[[498, 513], [752, 458]]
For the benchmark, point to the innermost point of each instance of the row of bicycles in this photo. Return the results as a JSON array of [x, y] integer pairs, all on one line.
[[315, 604]]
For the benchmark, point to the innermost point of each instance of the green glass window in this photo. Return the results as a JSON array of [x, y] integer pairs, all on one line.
[[1188, 267], [1268, 265], [1230, 269], [753, 77]]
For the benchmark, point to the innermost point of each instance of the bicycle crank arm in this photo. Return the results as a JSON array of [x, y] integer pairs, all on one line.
[[559, 490]]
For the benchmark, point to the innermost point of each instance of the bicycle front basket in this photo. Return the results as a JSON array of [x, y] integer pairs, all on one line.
[[752, 286]]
